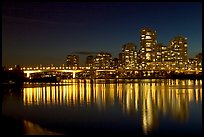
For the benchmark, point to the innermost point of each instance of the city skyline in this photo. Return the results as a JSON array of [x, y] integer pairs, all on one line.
[[92, 27]]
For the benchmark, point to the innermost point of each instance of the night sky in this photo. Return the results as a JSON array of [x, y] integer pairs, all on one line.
[[45, 33]]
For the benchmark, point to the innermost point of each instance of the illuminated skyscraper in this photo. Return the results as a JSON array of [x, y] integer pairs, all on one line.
[[103, 60], [199, 60], [73, 61], [147, 45], [90, 61], [178, 52], [192, 63], [115, 63], [129, 56], [158, 52], [120, 60], [199, 57]]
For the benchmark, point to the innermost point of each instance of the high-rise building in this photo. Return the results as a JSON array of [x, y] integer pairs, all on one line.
[[158, 52], [178, 52], [73, 61], [148, 41], [192, 63], [90, 61], [199, 61], [164, 53], [115, 63], [129, 56], [199, 57], [103, 60]]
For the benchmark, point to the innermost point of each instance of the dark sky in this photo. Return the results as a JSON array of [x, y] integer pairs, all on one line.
[[44, 33]]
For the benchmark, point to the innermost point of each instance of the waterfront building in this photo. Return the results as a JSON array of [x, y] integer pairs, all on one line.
[[115, 63], [148, 41], [192, 63], [89, 61], [199, 57], [199, 60], [129, 56], [120, 60], [158, 52], [103, 60], [178, 52], [73, 61]]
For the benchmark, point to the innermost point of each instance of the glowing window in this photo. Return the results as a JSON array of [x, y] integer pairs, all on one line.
[[148, 37], [148, 56]]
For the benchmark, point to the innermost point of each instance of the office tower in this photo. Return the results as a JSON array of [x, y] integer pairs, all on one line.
[[89, 61], [178, 52], [129, 56], [199, 61], [73, 61], [192, 63], [115, 63], [147, 45], [120, 60], [103, 60], [199, 57], [158, 52]]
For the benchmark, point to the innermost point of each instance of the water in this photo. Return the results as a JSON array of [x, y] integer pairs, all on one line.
[[101, 107]]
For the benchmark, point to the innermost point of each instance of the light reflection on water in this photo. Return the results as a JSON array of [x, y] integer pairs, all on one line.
[[34, 129], [151, 99]]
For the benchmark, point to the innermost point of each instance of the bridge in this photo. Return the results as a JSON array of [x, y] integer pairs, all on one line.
[[73, 71]]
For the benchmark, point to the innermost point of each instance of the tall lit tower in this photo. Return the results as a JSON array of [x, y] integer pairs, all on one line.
[[129, 56], [147, 44], [73, 61], [179, 54], [89, 61], [103, 60]]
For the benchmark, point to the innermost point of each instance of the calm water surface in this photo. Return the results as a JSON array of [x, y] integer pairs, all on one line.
[[101, 107]]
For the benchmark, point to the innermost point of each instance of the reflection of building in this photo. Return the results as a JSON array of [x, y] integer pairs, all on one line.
[[151, 99], [129, 56], [72, 60], [180, 104], [103, 60], [149, 115]]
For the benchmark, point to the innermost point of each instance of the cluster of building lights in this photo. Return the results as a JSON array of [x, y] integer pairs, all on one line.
[[151, 56]]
